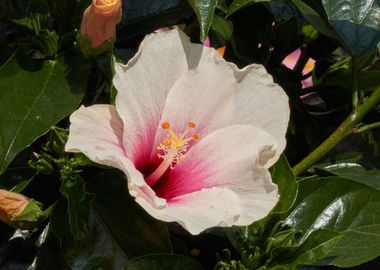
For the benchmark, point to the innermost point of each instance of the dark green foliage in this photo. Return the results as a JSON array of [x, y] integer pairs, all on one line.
[[83, 216]]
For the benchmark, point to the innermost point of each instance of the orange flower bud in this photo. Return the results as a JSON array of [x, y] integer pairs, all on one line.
[[11, 205], [99, 21]]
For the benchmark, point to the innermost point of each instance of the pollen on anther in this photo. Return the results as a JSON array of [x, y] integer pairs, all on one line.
[[168, 142], [195, 136], [165, 125], [191, 125]]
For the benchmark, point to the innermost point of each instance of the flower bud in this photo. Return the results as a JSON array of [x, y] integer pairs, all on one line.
[[18, 211], [99, 21], [11, 205]]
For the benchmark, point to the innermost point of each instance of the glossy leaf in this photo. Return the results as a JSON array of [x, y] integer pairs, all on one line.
[[355, 172], [35, 95], [339, 205], [239, 4], [163, 262], [356, 21], [204, 9], [133, 229], [283, 176]]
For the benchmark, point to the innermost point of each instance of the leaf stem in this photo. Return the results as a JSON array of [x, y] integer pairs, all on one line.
[[366, 127], [339, 134]]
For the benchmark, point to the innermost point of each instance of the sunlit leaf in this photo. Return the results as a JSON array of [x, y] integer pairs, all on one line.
[[35, 95]]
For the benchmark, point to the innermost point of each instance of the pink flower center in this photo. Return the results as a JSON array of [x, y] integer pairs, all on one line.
[[172, 150]]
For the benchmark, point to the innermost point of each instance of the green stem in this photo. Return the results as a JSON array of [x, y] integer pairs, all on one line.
[[339, 134], [367, 127], [355, 94]]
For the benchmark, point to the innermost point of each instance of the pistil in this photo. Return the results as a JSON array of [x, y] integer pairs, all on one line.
[[173, 148]]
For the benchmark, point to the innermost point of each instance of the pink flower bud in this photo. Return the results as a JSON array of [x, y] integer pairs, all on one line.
[[11, 205], [99, 21]]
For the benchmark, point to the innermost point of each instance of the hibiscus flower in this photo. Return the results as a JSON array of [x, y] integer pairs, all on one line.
[[193, 134]]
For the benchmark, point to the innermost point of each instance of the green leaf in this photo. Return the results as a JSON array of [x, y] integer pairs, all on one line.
[[133, 229], [239, 4], [16, 179], [314, 18], [35, 95], [283, 176], [339, 205], [222, 26], [317, 245], [97, 250], [339, 75], [359, 245], [355, 172], [204, 9], [142, 17], [356, 21], [163, 262], [78, 205]]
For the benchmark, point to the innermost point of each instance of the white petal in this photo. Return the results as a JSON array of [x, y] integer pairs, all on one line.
[[215, 95], [231, 158], [199, 210], [97, 132], [144, 83]]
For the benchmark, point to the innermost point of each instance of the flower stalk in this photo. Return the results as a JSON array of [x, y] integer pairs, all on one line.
[[339, 134], [355, 95]]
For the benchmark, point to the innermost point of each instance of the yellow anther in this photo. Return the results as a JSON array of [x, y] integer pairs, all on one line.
[[168, 142], [195, 136]]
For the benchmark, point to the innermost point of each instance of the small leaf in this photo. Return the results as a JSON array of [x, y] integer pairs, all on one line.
[[163, 262], [204, 9], [283, 176], [222, 26], [356, 21], [78, 205], [317, 245], [239, 4], [35, 95], [133, 229]]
